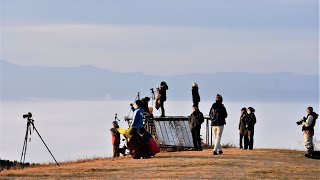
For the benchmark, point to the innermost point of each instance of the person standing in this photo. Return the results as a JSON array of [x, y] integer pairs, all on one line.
[[218, 115], [308, 124], [242, 125], [195, 94], [250, 122], [195, 121], [137, 120], [163, 96], [115, 139]]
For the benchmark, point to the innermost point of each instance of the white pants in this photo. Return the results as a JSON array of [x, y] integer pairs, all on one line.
[[308, 140], [217, 131]]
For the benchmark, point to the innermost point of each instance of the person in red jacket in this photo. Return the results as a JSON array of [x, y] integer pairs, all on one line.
[[115, 139]]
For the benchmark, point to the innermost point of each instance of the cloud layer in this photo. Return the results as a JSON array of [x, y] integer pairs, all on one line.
[[163, 49]]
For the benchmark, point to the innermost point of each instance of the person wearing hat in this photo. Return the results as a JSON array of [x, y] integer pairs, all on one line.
[[195, 94], [115, 139], [218, 115]]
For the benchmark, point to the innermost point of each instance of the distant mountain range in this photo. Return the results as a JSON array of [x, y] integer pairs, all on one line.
[[20, 83]]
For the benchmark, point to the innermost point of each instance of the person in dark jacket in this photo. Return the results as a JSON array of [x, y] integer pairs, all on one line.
[[145, 106], [242, 125], [249, 133], [218, 115], [195, 94], [195, 121], [115, 139], [163, 96], [308, 124], [136, 145]]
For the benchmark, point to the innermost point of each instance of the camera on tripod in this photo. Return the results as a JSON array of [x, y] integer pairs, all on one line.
[[29, 115], [301, 121]]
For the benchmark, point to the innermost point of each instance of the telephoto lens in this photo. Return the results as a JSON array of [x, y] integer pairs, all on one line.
[[29, 115]]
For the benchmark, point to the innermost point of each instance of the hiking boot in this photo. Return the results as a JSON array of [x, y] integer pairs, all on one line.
[[215, 153], [220, 152]]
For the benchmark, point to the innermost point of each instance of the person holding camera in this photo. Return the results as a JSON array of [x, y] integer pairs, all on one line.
[[242, 125], [249, 132], [308, 124], [137, 120], [163, 96], [218, 115], [195, 121]]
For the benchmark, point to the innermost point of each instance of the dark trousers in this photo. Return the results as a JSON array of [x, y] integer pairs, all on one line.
[[162, 108], [116, 152], [248, 139], [241, 139], [196, 138]]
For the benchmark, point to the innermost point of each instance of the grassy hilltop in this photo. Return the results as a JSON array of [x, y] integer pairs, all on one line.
[[233, 164]]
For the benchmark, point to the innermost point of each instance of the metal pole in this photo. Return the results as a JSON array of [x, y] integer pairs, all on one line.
[[207, 132], [211, 137]]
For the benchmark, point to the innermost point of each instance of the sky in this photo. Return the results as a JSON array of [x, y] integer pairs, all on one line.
[[163, 37]]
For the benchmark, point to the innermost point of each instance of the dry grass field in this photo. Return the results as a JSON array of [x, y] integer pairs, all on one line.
[[233, 164]]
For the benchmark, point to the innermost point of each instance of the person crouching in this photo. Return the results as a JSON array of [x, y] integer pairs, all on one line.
[[115, 139], [149, 140], [136, 145]]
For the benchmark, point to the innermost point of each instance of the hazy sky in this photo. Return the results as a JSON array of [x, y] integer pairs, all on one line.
[[167, 36]]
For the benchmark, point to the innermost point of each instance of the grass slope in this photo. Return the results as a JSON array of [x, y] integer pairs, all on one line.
[[233, 164]]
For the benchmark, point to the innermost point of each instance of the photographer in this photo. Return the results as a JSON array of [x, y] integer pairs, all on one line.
[[308, 124], [163, 96], [137, 120]]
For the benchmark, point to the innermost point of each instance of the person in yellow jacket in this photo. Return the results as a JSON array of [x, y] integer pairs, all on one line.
[[125, 132]]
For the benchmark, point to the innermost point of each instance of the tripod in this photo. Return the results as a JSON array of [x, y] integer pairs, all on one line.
[[30, 124]]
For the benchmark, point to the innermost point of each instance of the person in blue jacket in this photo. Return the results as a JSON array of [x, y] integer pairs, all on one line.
[[137, 120]]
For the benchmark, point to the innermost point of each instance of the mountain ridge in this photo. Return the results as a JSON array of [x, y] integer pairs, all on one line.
[[87, 82]]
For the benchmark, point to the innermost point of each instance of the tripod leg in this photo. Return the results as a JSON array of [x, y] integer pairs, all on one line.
[[24, 148], [45, 144]]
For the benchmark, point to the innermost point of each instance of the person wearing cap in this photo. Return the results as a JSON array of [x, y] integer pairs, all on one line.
[[218, 115], [137, 120], [115, 139], [250, 122], [195, 94]]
